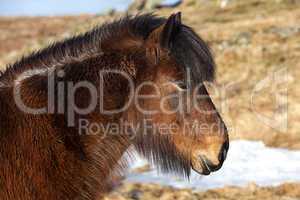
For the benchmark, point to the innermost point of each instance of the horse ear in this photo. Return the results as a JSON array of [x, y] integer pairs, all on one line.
[[164, 34], [171, 28]]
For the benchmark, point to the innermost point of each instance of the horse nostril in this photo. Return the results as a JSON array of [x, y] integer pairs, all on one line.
[[222, 155], [223, 152]]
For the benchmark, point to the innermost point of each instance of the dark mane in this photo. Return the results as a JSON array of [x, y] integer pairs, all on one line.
[[188, 49]]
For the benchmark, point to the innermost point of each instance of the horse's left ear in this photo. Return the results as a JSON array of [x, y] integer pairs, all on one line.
[[170, 29], [165, 34]]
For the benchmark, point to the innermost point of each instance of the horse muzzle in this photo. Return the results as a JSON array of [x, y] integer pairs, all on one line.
[[206, 162]]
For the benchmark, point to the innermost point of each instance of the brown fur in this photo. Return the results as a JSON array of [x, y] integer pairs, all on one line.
[[44, 158]]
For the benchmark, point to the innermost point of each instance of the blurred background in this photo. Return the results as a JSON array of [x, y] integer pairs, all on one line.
[[256, 44]]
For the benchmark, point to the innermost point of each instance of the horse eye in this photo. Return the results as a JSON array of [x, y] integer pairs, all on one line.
[[182, 85]]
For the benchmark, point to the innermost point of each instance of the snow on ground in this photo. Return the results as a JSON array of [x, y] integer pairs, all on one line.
[[247, 162]]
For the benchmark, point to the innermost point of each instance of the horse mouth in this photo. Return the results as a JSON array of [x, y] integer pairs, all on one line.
[[202, 167]]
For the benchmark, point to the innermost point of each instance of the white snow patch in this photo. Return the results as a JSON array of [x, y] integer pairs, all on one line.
[[247, 162]]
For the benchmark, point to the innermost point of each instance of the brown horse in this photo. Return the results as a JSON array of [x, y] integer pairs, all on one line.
[[70, 111]]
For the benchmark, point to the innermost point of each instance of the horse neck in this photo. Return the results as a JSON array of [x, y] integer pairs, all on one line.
[[79, 49]]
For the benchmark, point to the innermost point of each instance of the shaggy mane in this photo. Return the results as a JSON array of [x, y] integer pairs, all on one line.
[[188, 49]]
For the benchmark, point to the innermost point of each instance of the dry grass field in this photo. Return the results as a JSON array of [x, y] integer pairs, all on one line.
[[251, 192]]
